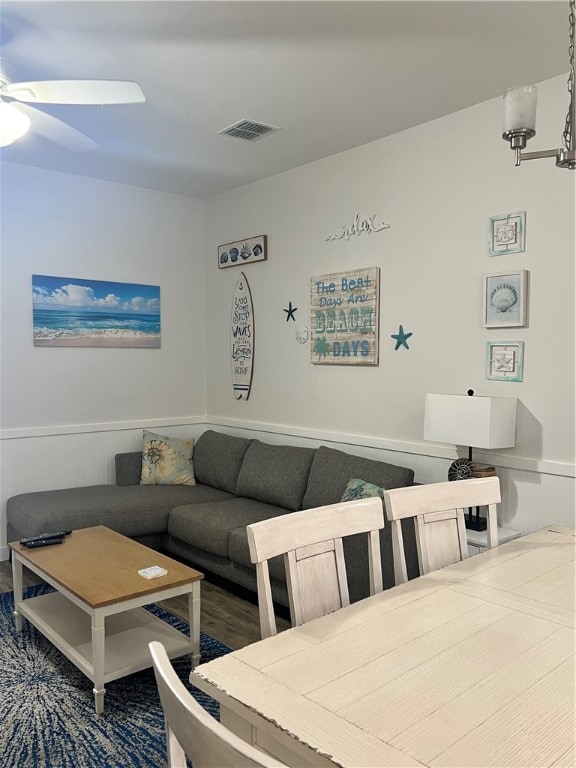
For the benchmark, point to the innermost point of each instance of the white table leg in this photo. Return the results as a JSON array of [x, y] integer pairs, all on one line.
[[98, 647], [17, 583], [194, 622]]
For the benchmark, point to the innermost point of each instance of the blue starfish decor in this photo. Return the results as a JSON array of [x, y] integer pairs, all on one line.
[[401, 338], [290, 312]]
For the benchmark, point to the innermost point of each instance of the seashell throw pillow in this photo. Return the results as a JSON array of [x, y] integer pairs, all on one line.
[[360, 489], [167, 460]]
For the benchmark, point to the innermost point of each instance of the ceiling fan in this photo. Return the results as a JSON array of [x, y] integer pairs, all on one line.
[[17, 115]]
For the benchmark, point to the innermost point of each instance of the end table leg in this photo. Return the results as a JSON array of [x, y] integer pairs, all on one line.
[[194, 622], [17, 583], [98, 646]]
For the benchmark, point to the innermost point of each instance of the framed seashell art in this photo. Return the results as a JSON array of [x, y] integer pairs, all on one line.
[[506, 299], [242, 252]]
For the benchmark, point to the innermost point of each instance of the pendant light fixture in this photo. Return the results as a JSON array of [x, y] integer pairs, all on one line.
[[520, 116]]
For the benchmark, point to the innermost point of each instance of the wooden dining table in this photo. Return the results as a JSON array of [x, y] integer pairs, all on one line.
[[471, 666]]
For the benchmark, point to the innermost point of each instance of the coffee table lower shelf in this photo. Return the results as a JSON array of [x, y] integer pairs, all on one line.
[[68, 627]]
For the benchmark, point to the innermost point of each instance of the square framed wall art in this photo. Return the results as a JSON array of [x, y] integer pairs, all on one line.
[[507, 233], [242, 252], [506, 299], [344, 308], [505, 360]]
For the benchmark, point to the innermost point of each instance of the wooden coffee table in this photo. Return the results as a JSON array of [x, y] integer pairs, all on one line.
[[95, 617]]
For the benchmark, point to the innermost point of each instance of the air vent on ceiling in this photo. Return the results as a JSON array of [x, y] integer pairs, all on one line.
[[248, 130]]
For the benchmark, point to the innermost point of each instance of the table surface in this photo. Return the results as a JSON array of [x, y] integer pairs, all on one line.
[[100, 566], [472, 665]]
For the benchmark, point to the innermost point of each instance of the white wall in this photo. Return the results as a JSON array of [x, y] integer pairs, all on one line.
[[436, 185], [66, 411]]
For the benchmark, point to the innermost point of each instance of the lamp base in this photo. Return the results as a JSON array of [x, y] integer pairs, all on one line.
[[474, 522]]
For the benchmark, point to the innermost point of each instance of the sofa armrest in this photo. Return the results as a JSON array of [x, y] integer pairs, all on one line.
[[128, 468]]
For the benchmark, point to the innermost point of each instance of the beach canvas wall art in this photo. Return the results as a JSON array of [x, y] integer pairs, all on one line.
[[72, 312]]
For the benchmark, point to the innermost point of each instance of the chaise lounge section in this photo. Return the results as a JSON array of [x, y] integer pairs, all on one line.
[[239, 481]]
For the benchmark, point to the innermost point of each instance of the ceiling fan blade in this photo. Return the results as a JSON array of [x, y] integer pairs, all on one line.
[[56, 130], [75, 92]]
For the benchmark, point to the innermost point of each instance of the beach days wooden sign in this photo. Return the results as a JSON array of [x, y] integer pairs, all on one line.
[[242, 338], [344, 317]]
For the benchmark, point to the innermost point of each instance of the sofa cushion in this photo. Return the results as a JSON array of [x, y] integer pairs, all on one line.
[[134, 510], [128, 468], [360, 489], [166, 460], [275, 474], [208, 526], [218, 458], [332, 469]]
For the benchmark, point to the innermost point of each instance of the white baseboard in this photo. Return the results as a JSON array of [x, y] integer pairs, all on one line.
[[4, 553]]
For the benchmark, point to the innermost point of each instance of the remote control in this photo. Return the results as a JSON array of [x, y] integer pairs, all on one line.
[[153, 572], [42, 536], [43, 543]]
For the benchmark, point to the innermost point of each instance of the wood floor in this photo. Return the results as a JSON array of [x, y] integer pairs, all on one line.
[[226, 616]]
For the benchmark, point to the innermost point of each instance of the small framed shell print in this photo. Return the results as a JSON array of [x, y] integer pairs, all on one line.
[[507, 233], [506, 299], [243, 251]]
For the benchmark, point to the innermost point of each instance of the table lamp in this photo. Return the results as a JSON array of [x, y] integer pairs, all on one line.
[[475, 422]]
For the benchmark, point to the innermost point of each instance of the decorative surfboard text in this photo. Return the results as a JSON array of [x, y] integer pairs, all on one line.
[[242, 338]]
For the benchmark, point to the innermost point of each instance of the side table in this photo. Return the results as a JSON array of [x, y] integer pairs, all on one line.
[[478, 540]]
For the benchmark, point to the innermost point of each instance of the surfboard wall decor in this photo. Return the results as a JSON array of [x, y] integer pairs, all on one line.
[[242, 338]]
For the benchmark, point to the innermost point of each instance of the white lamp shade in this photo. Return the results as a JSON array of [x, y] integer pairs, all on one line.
[[520, 108], [478, 422]]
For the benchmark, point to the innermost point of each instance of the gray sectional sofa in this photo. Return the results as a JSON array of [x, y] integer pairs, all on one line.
[[238, 481]]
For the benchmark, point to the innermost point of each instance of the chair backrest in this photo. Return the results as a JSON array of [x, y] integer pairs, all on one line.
[[438, 512], [191, 731], [311, 542]]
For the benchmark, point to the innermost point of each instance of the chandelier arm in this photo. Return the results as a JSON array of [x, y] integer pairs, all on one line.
[[538, 155]]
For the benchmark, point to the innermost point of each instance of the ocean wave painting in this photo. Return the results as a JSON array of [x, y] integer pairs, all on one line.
[[73, 312]]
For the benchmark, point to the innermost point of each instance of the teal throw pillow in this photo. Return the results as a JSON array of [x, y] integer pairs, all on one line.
[[360, 489], [167, 460]]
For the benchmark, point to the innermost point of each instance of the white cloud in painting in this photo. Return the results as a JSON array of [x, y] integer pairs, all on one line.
[[74, 296], [140, 304]]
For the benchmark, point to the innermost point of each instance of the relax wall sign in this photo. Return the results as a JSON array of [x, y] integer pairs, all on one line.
[[359, 226], [344, 317]]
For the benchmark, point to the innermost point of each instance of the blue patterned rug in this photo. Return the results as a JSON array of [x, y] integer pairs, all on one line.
[[47, 717]]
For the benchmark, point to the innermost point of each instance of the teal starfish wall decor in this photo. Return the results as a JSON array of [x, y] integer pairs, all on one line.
[[401, 338], [290, 312]]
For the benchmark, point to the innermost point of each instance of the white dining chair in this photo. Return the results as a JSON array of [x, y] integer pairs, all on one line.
[[438, 512], [191, 731], [311, 542]]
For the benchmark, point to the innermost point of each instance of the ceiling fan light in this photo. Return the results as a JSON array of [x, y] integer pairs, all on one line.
[[13, 124]]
